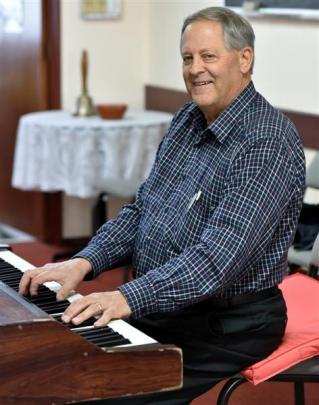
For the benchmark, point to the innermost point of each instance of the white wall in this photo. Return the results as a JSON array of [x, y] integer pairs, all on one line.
[[118, 54], [287, 63], [165, 67], [143, 48]]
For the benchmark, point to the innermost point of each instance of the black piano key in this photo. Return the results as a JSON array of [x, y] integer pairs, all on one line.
[[116, 341], [99, 329], [43, 297], [107, 342], [7, 279], [103, 337], [91, 333], [54, 309], [121, 342], [12, 284], [56, 304], [100, 336], [10, 275], [87, 323]]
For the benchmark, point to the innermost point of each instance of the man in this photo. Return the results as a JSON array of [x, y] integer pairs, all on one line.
[[210, 228]]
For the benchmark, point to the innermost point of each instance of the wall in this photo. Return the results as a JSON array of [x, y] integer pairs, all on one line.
[[164, 55], [287, 63]]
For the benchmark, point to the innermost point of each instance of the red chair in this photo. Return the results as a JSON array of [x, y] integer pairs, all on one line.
[[296, 359]]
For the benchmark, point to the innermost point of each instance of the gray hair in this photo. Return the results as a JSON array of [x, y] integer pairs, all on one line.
[[238, 33]]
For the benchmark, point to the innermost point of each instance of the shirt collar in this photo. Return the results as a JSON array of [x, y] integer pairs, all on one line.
[[222, 126]]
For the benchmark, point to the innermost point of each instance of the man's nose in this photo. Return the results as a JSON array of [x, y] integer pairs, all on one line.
[[197, 66]]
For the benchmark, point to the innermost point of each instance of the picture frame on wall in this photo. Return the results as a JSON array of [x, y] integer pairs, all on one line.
[[277, 4], [101, 9], [306, 10]]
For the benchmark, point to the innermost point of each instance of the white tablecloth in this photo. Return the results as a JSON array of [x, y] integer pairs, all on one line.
[[84, 156]]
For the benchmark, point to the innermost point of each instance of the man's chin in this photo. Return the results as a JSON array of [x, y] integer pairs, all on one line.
[[203, 102]]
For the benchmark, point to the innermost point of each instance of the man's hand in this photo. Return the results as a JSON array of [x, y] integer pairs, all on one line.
[[69, 274], [110, 305]]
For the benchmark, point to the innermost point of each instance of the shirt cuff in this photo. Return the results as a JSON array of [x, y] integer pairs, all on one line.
[[93, 255], [140, 296]]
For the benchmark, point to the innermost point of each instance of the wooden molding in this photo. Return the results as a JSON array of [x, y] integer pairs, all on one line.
[[51, 31], [308, 127], [52, 231], [164, 99]]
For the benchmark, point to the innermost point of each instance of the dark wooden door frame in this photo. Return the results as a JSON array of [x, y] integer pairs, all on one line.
[[51, 36], [52, 202]]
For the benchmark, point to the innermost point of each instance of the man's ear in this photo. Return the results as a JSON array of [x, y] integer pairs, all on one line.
[[246, 56]]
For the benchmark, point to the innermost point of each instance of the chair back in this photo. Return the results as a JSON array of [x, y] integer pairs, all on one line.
[[314, 261], [312, 173]]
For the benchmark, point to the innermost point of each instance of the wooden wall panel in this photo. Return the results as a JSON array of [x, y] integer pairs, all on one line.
[[308, 127], [163, 99]]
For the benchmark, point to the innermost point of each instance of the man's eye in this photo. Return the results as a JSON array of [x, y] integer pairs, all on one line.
[[187, 60], [209, 57]]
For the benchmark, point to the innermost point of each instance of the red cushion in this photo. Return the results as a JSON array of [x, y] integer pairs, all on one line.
[[301, 340]]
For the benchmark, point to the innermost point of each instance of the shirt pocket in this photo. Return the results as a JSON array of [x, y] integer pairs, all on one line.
[[189, 220]]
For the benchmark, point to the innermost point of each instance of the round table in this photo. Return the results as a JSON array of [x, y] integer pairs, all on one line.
[[83, 157]]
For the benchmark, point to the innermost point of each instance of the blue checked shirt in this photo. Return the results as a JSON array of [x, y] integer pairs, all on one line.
[[217, 213]]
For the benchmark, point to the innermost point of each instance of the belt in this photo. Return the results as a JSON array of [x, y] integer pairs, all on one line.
[[227, 302]]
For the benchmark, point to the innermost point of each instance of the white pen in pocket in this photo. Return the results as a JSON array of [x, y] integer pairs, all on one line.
[[195, 198]]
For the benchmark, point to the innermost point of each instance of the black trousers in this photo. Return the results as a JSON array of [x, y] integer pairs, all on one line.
[[217, 342]]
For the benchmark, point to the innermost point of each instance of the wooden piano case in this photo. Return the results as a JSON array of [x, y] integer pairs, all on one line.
[[43, 362]]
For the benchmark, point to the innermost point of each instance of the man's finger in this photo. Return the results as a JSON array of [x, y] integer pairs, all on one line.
[[74, 309], [39, 279], [90, 311], [26, 280], [104, 319], [43, 277], [64, 291]]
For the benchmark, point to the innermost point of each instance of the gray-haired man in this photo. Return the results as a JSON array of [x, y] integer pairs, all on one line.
[[210, 228]]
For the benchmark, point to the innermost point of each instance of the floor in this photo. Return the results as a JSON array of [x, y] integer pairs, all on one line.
[[270, 393]]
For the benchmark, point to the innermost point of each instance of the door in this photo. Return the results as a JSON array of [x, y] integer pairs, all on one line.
[[29, 81]]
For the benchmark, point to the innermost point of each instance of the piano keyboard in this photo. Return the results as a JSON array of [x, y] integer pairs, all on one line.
[[116, 333]]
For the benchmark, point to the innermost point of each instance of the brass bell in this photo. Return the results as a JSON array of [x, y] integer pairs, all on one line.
[[84, 103]]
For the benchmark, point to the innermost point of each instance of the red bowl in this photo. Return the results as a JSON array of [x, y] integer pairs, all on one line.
[[111, 111]]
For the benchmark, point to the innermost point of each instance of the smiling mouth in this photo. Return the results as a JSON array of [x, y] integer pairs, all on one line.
[[201, 83]]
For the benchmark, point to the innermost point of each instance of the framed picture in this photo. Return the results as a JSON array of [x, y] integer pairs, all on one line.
[[294, 4], [101, 9]]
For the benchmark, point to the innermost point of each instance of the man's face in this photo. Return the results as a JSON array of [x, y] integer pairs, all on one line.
[[213, 75]]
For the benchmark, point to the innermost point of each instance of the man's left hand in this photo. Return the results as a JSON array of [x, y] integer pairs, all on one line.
[[109, 305]]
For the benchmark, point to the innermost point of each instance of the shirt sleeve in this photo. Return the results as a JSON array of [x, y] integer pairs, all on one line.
[[261, 182], [113, 243]]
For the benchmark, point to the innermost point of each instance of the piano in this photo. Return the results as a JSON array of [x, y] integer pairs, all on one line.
[[43, 361]]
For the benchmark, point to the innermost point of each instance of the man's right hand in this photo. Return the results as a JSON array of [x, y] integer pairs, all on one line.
[[69, 274]]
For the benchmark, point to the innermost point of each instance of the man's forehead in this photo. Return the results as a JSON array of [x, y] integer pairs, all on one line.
[[201, 30], [203, 25]]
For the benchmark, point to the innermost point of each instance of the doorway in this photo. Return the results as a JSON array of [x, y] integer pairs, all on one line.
[[29, 81]]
